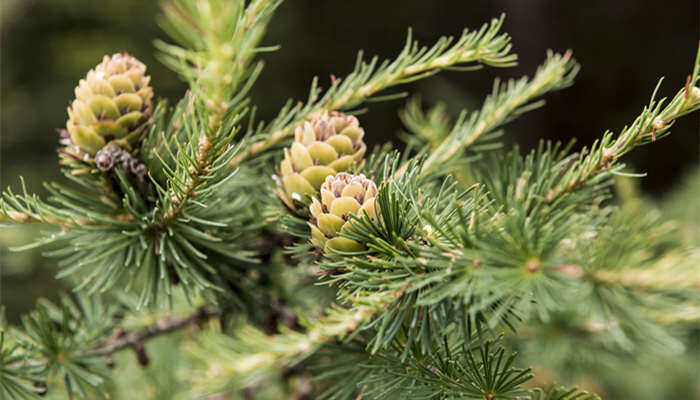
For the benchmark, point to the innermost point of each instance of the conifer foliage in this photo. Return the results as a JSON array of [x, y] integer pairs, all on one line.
[[283, 259]]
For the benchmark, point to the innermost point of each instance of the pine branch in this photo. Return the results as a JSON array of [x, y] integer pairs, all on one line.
[[505, 103], [12, 216], [219, 39], [17, 378], [653, 123], [163, 325], [87, 361], [460, 371], [673, 272], [500, 254], [28, 208], [123, 339], [485, 46], [251, 355]]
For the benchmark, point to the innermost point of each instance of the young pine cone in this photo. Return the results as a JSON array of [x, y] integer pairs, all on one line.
[[341, 195], [113, 102], [327, 144]]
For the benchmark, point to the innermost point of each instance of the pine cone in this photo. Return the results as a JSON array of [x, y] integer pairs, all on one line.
[[113, 102], [325, 145], [341, 195]]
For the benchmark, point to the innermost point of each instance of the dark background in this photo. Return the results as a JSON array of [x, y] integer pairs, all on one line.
[[623, 46]]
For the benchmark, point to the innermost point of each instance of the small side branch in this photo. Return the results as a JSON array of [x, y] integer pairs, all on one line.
[[654, 122], [162, 326], [134, 340]]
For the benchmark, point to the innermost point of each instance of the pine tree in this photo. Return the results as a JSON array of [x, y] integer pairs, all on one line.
[[239, 258]]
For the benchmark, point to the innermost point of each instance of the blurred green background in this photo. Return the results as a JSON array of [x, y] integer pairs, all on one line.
[[623, 46]]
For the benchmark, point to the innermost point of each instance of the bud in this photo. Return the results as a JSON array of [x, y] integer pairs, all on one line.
[[695, 93], [113, 102], [323, 146], [341, 195], [658, 123]]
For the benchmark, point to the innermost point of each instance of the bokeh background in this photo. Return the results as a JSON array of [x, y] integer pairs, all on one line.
[[624, 46]]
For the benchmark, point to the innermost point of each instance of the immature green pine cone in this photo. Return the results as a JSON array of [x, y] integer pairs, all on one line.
[[112, 103], [323, 146], [341, 195]]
